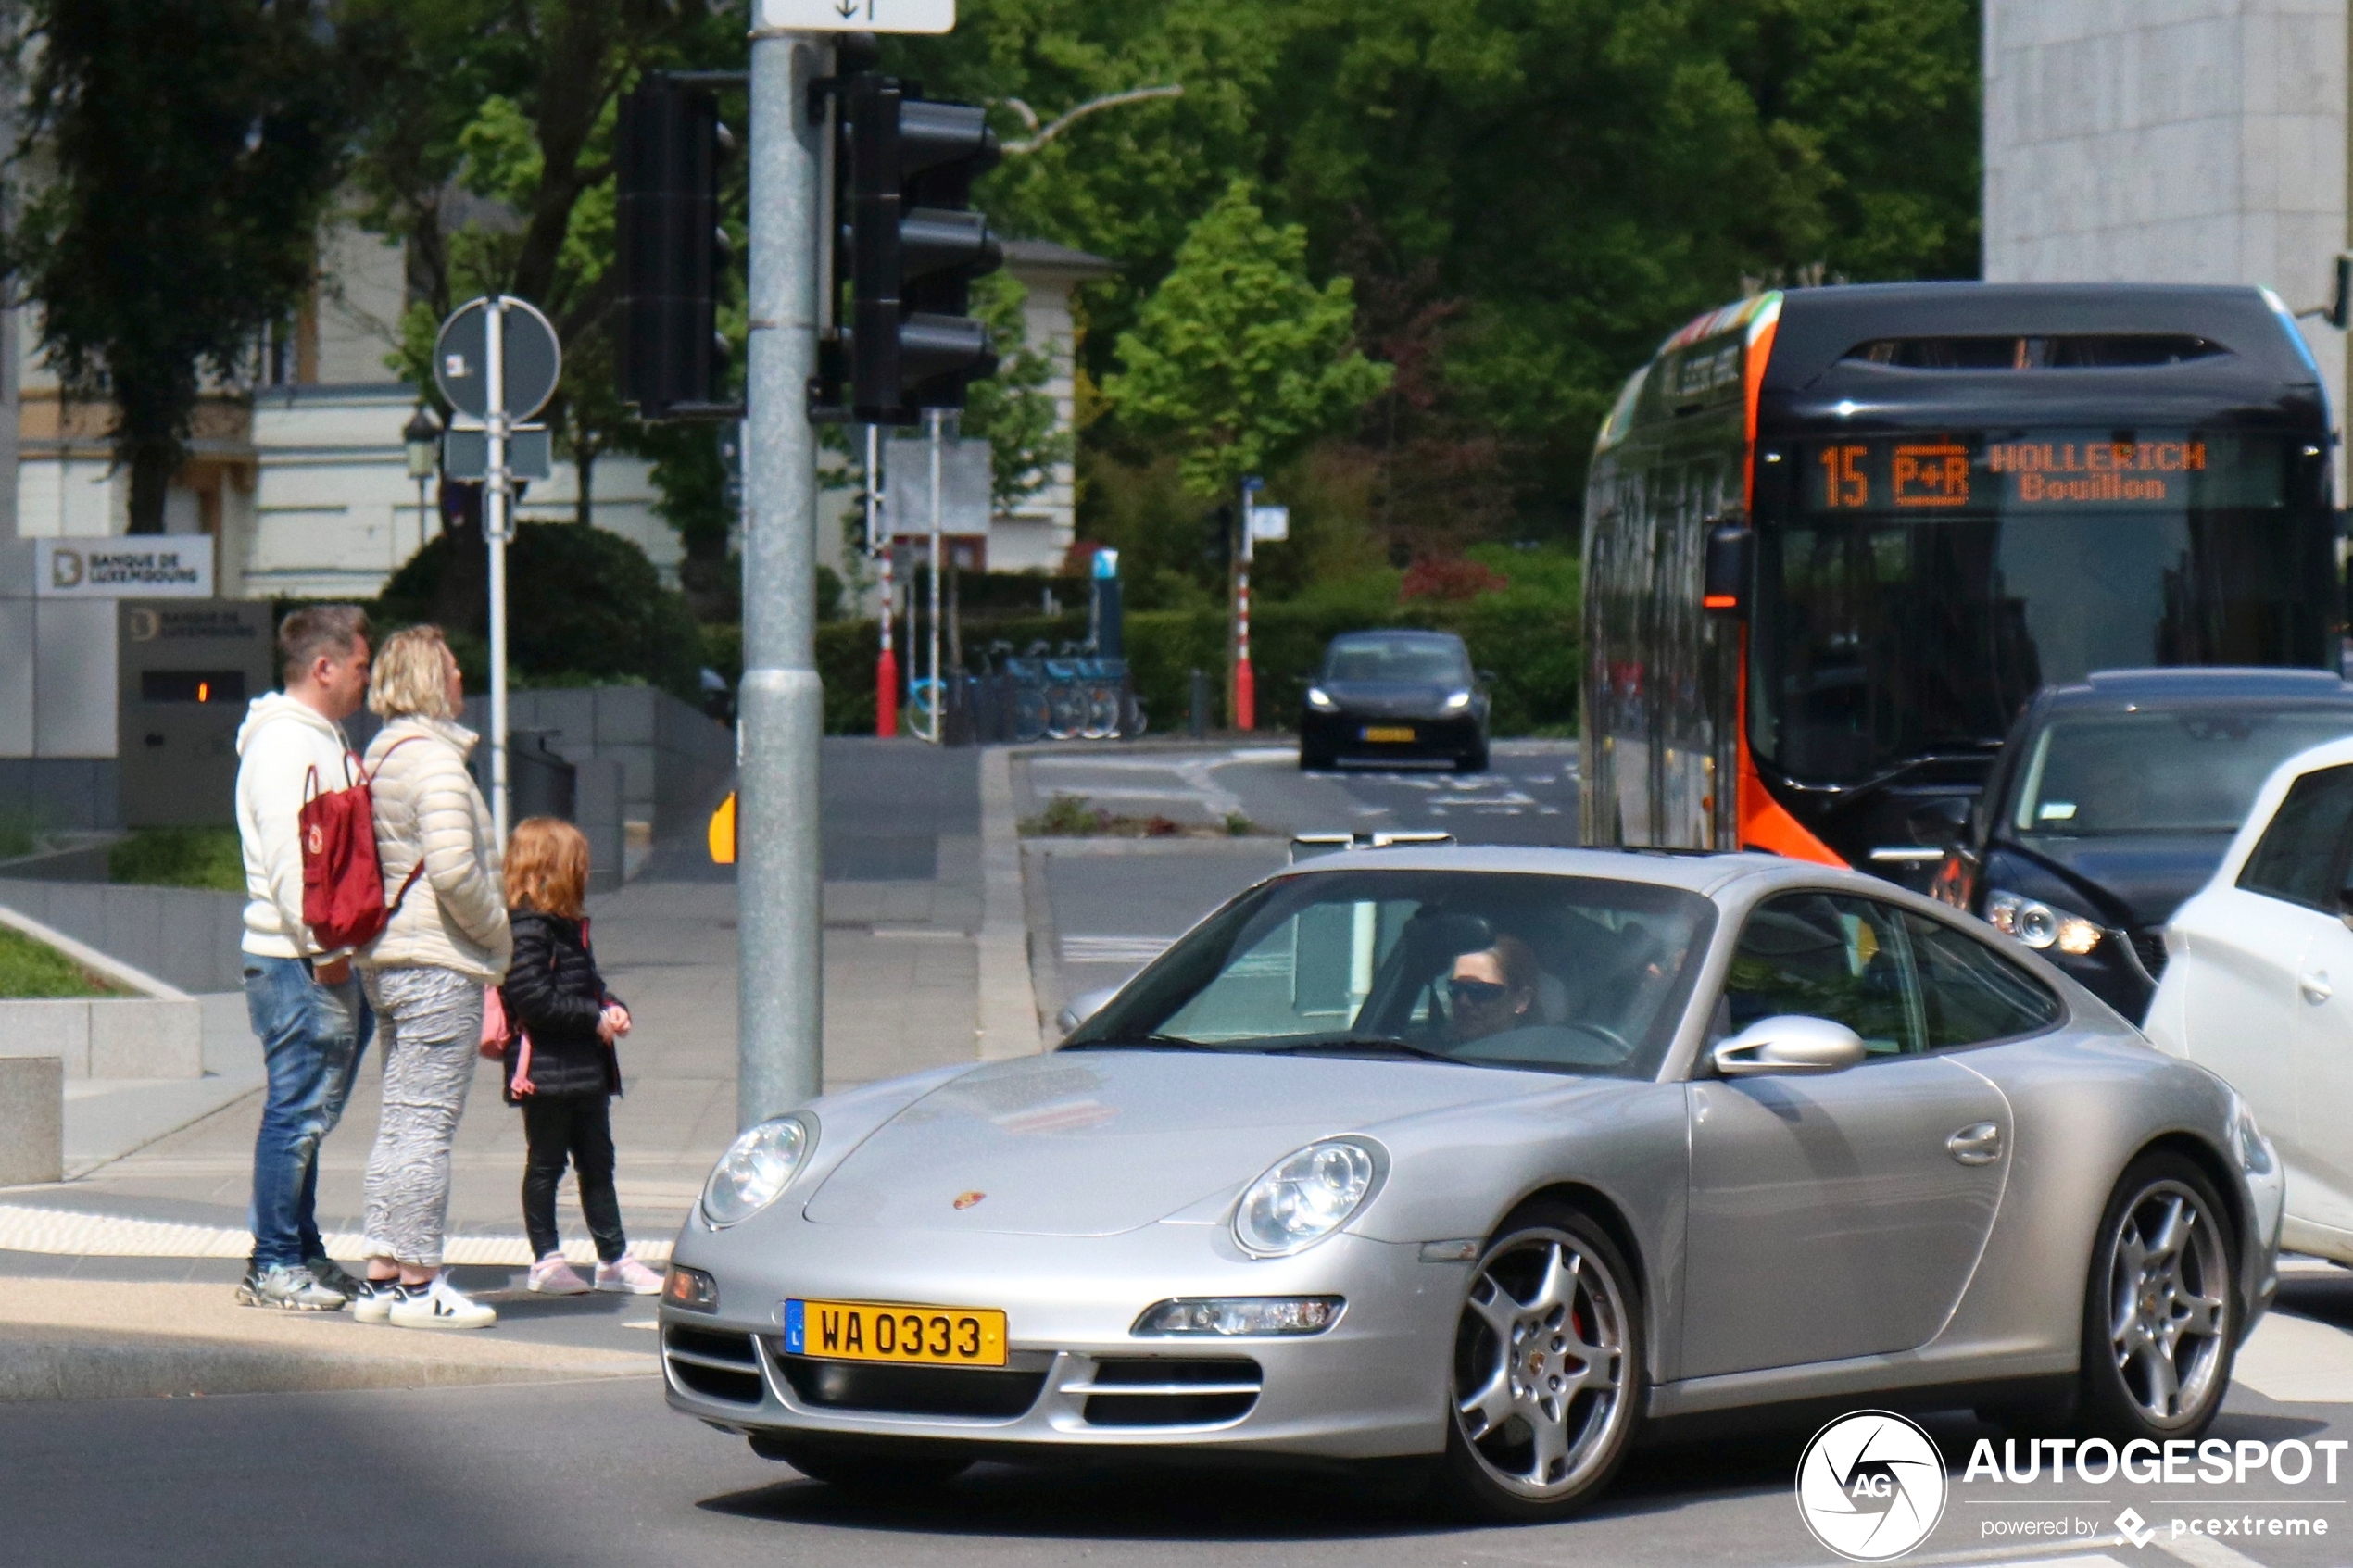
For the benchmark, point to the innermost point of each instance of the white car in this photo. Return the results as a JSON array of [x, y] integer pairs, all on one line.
[[2258, 986]]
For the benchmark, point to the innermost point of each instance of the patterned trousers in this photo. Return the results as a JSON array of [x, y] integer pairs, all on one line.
[[429, 1023]]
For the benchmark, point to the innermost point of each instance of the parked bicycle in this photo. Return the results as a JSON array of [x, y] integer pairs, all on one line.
[[1070, 693]]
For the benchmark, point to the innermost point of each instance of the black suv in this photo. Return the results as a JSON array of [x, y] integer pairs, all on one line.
[[2113, 800]]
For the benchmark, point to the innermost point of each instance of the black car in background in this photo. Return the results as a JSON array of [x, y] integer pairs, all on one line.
[[2113, 800], [1381, 697]]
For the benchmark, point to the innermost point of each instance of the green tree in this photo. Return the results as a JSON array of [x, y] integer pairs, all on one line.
[[1237, 354], [1012, 410], [488, 151], [190, 146]]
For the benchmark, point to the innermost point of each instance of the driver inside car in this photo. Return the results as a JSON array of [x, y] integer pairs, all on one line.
[[1492, 989]]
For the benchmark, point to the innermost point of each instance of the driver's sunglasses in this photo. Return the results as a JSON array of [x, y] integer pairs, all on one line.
[[1479, 993]]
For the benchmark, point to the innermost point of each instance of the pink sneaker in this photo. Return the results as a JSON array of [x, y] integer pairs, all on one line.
[[628, 1277], [552, 1277]]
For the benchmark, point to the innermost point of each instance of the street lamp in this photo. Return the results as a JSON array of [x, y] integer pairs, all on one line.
[[421, 437]]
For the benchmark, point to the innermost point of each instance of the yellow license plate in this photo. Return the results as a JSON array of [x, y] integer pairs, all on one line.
[[884, 1331], [1389, 732]]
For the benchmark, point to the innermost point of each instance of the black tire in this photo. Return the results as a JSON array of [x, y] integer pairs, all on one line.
[[873, 1470], [1502, 1471], [1472, 761], [2160, 1330], [1313, 761]]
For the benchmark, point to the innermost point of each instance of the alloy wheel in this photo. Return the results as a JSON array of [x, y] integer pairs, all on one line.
[[2167, 1280], [1540, 1374]]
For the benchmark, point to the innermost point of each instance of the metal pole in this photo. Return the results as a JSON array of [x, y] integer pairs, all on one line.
[[495, 526], [780, 1044], [1245, 679], [887, 662], [938, 688]]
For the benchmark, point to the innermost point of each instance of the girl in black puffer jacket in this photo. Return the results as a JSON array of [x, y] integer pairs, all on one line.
[[562, 1068]]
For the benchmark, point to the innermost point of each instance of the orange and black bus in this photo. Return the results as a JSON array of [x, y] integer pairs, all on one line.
[[1835, 538]]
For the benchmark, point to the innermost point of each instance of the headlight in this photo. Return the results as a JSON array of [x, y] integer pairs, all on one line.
[[1305, 1196], [756, 1167], [1458, 699], [1247, 1315], [2039, 926], [1318, 698], [2254, 1150]]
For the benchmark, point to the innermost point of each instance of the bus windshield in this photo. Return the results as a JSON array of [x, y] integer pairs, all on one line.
[[1923, 589]]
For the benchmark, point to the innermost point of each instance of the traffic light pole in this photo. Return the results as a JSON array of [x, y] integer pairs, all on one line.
[[495, 529], [780, 1042]]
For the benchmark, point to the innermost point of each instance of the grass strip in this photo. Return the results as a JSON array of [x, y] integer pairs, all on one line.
[[35, 969], [204, 858]]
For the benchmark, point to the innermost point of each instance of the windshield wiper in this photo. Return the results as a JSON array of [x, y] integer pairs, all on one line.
[[1354, 1045]]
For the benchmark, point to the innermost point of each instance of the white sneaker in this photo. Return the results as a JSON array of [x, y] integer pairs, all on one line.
[[373, 1304], [439, 1305], [628, 1277]]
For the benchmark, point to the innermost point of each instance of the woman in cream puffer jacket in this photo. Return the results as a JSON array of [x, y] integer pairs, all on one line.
[[425, 973]]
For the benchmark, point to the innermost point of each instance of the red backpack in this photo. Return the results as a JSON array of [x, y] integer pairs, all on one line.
[[343, 883]]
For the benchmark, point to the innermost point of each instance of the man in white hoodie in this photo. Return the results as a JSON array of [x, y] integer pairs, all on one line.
[[304, 1001]]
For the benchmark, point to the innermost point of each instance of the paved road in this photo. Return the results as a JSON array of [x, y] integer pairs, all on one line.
[[583, 1475]]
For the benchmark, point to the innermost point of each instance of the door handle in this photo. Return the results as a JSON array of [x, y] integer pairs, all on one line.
[[2315, 986], [1980, 1143]]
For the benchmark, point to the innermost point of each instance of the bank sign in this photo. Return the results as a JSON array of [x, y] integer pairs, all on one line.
[[153, 567]]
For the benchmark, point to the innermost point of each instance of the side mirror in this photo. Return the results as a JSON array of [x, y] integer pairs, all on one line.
[[1086, 1005], [1731, 553], [2344, 905], [1789, 1044], [1486, 677]]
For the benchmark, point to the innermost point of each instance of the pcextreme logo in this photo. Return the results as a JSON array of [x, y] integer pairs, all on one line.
[[1870, 1485]]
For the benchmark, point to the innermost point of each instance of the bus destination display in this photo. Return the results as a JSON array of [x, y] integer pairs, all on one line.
[[2030, 472]]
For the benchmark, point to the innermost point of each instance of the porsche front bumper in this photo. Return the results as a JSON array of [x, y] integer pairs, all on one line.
[[1372, 1385]]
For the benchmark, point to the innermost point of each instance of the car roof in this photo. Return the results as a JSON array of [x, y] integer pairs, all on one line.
[[1399, 634], [1708, 873], [2183, 687]]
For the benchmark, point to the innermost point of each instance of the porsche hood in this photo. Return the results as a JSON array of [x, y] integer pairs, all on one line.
[[1093, 1143]]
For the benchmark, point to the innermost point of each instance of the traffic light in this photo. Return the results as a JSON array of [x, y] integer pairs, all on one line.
[[909, 246], [670, 148]]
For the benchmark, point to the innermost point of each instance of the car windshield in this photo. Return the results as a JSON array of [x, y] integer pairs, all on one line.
[[1556, 974], [2179, 771], [1419, 661]]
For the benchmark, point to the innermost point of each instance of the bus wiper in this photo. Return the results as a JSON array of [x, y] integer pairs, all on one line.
[[1143, 1043], [1354, 1045]]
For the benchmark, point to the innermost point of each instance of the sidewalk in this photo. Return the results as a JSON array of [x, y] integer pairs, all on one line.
[[904, 992]]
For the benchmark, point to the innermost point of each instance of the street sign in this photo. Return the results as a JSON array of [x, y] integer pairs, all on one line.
[[465, 453], [123, 568], [460, 361], [963, 487], [857, 16], [1270, 524]]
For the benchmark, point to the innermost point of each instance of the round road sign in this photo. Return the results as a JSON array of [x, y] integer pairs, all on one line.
[[460, 362]]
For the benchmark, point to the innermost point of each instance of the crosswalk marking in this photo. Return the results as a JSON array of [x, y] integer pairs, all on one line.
[[1113, 950], [72, 1233]]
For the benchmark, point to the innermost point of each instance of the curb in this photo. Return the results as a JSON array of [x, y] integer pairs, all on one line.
[[71, 1366], [1010, 1023], [65, 1338]]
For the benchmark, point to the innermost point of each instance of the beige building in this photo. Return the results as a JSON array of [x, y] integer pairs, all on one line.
[[2171, 141]]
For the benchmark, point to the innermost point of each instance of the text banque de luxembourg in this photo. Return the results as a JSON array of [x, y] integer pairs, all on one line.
[[2142, 1462]]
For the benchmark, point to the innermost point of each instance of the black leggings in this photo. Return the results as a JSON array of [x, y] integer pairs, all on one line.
[[580, 1127]]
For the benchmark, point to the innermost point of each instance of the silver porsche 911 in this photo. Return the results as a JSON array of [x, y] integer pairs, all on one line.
[[1491, 1155]]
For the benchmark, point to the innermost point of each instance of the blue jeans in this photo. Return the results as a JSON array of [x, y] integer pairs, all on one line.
[[311, 1040]]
